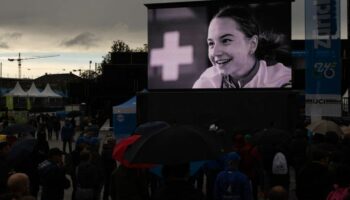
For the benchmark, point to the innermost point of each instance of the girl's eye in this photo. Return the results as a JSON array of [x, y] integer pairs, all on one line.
[[226, 41], [210, 44]]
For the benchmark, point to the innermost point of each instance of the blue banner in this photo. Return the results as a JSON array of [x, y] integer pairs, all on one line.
[[323, 60]]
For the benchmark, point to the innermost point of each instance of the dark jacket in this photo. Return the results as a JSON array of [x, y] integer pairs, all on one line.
[[314, 182], [67, 132], [232, 184], [129, 184], [53, 181]]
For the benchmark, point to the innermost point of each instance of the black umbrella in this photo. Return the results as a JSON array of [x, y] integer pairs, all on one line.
[[271, 137], [173, 145], [18, 128], [151, 127], [21, 150]]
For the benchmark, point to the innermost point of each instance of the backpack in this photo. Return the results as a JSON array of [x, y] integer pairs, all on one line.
[[279, 164], [339, 193]]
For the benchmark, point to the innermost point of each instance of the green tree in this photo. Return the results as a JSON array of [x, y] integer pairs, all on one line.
[[119, 46], [141, 49], [89, 74]]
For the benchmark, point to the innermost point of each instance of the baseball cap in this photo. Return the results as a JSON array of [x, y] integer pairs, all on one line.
[[233, 156]]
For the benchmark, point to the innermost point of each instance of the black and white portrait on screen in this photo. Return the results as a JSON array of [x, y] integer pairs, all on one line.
[[181, 53]]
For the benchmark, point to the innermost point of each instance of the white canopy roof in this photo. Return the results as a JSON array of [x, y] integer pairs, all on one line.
[[17, 91], [33, 91], [48, 92]]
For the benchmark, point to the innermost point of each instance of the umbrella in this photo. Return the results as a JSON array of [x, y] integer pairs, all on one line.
[[323, 126], [123, 144], [151, 127], [18, 128], [119, 150], [21, 150], [173, 145]]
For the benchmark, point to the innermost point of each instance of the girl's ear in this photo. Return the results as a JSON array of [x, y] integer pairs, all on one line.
[[253, 44]]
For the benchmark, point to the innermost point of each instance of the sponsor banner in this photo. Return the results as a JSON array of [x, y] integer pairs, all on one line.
[[323, 105], [323, 60]]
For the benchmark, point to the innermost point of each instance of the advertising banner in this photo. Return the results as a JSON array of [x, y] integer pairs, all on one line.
[[323, 60]]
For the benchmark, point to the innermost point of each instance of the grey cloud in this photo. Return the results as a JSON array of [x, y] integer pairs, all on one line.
[[3, 45], [14, 35], [85, 39], [11, 36]]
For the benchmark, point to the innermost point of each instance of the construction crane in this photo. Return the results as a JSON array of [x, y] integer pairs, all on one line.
[[19, 60]]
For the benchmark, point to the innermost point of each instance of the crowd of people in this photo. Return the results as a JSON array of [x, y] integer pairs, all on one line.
[[303, 166], [41, 170]]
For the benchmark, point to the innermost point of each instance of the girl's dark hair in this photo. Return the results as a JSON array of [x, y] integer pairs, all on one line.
[[272, 47], [243, 17]]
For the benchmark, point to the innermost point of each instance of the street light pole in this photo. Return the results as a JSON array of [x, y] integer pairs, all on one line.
[[90, 69]]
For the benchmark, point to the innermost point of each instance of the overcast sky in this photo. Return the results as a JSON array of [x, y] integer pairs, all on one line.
[[79, 31]]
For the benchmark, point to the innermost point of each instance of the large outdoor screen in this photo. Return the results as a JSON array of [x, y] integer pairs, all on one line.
[[214, 45]]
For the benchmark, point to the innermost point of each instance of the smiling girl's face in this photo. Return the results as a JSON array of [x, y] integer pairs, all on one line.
[[229, 50]]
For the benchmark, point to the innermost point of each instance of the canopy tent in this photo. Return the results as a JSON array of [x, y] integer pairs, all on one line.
[[48, 92], [33, 91], [124, 118], [17, 91]]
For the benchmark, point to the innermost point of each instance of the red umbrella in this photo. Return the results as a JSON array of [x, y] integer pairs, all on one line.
[[119, 150]]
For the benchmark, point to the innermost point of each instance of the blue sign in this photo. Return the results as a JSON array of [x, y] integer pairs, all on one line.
[[323, 60]]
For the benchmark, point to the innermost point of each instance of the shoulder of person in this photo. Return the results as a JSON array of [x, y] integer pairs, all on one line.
[[277, 69], [210, 78], [276, 75]]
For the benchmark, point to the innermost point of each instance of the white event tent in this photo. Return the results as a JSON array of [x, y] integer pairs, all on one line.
[[17, 91]]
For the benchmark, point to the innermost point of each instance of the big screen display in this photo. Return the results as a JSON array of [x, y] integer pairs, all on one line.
[[216, 44]]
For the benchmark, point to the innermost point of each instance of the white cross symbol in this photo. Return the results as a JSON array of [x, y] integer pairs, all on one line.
[[171, 56]]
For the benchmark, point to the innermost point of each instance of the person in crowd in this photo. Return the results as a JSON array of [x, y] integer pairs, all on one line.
[[27, 161], [72, 160], [67, 134], [177, 184], [231, 183], [314, 181], [278, 193], [211, 169], [129, 183], [49, 126], [109, 165], [5, 169], [52, 176], [18, 185], [250, 163], [41, 123], [238, 54], [297, 149], [280, 169], [42, 147], [56, 126], [89, 178]]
